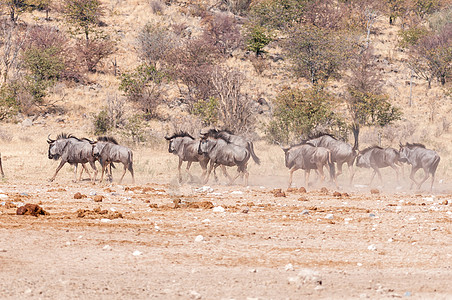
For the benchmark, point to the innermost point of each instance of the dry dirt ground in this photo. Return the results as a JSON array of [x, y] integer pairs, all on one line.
[[158, 239]]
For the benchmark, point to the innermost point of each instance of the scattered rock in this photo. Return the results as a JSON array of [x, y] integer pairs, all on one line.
[[375, 191], [305, 212], [107, 247], [292, 190], [278, 193], [329, 216], [137, 253], [372, 247], [245, 210], [324, 190], [302, 190], [337, 194], [79, 196], [199, 238], [218, 209], [289, 267], [195, 295], [31, 209], [98, 198], [94, 214], [307, 276], [445, 202], [302, 199]]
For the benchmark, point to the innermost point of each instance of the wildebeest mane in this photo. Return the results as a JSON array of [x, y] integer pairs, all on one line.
[[414, 145], [180, 134], [63, 136], [303, 142], [320, 134], [109, 139], [370, 148]]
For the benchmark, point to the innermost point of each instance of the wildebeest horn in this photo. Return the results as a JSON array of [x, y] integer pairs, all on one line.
[[49, 140], [167, 138]]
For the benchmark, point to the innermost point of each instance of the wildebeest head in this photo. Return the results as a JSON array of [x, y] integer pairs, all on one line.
[[203, 146], [97, 148], [57, 146], [404, 152]]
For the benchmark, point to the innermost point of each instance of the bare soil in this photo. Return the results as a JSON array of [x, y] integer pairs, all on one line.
[[142, 242]]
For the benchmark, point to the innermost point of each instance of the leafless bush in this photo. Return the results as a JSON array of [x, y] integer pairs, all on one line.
[[192, 63], [92, 52], [157, 7], [234, 107], [115, 110], [154, 43], [180, 29], [445, 124], [223, 32]]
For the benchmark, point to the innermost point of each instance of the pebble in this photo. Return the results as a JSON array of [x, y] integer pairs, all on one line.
[[204, 189], [359, 264], [304, 212], [3, 197], [137, 253], [372, 247], [329, 216], [107, 247], [199, 238], [105, 220], [195, 295], [371, 215], [289, 267], [407, 294], [218, 209], [236, 193], [205, 221], [68, 243], [93, 193]]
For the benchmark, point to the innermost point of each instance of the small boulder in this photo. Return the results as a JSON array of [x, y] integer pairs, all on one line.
[[79, 195], [31, 209], [98, 198]]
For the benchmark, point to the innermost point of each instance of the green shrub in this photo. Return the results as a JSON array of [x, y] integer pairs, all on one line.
[[207, 111], [257, 37]]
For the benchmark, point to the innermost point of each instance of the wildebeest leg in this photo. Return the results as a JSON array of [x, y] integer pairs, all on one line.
[[93, 165], [351, 171], [239, 172], [87, 171], [178, 170], [187, 169], [57, 170], [426, 174], [104, 166], [413, 171], [1, 167], [290, 175], [306, 177], [123, 173], [208, 172], [396, 169], [130, 167], [321, 173], [372, 178], [339, 169], [433, 179], [75, 172]]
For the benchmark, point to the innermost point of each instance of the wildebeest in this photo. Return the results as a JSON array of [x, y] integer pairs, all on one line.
[[341, 152], [308, 157], [376, 157], [223, 153], [73, 151], [420, 157], [231, 138], [107, 150], [186, 147]]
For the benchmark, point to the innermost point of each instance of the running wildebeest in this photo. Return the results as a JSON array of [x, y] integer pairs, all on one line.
[[376, 157], [108, 151], [186, 147], [223, 153], [341, 152], [73, 151], [231, 138], [308, 157], [420, 157]]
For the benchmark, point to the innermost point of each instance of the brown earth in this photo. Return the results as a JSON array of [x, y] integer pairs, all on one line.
[[142, 242]]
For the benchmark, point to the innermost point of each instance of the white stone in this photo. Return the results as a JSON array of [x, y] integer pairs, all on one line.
[[218, 209], [137, 253], [105, 220], [329, 216], [372, 247], [107, 247], [289, 267], [236, 193], [199, 238]]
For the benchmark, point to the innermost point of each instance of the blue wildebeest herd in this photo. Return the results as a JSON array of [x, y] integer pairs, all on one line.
[[74, 151], [221, 148]]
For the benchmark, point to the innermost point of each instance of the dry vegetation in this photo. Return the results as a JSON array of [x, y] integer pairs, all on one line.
[[246, 248]]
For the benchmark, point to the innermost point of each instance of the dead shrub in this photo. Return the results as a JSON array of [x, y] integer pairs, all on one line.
[[92, 52], [259, 64], [157, 7]]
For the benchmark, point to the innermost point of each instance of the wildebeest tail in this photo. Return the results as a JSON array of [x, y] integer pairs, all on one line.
[[253, 155], [332, 167], [434, 165], [130, 159]]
